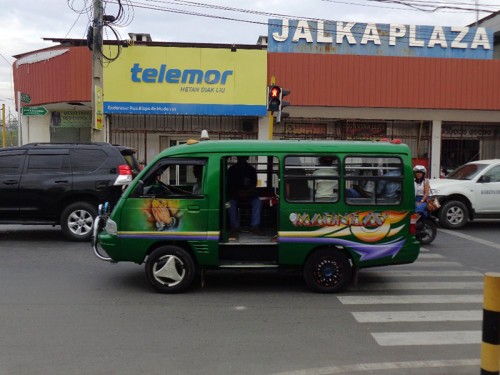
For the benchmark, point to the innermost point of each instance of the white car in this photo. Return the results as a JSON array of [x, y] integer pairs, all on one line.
[[470, 191]]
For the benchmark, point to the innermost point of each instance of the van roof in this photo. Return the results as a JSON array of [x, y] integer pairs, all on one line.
[[286, 146]]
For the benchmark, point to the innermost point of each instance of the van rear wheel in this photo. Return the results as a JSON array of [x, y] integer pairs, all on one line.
[[327, 271], [170, 269]]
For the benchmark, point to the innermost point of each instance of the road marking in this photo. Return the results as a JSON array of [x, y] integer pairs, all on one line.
[[384, 366], [377, 300], [400, 273], [427, 338], [419, 285], [471, 238], [430, 256], [418, 316], [437, 264]]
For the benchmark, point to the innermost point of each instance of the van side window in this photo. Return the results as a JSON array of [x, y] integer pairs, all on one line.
[[173, 180], [311, 178], [373, 180]]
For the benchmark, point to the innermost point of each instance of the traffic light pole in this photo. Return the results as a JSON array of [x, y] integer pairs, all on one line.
[[271, 126]]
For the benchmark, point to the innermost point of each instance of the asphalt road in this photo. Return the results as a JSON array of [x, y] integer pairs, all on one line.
[[62, 311]]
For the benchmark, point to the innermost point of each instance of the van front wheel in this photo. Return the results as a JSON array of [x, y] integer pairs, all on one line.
[[170, 269], [327, 271]]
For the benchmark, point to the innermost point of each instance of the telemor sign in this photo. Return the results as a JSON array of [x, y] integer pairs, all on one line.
[[338, 37]]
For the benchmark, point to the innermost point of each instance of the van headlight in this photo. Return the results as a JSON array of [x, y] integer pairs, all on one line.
[[111, 227]]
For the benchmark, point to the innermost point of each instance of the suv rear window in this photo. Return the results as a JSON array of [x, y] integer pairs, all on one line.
[[84, 161], [132, 162]]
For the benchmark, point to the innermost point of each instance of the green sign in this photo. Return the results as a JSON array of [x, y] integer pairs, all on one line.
[[34, 111], [25, 98], [71, 119]]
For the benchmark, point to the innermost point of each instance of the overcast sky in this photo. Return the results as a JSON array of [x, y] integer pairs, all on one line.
[[26, 22]]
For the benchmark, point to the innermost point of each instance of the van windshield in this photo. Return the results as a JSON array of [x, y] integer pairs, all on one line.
[[466, 172]]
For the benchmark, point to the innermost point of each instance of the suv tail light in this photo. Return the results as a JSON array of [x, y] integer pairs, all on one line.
[[124, 175], [124, 169]]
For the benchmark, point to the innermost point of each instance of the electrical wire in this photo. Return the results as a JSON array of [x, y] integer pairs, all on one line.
[[125, 14], [153, 5]]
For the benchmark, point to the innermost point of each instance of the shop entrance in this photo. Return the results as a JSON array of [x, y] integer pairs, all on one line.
[[455, 152]]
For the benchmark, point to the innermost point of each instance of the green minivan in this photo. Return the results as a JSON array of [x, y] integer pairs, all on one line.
[[325, 208]]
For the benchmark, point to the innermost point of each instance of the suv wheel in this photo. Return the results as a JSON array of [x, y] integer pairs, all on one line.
[[77, 220], [453, 215]]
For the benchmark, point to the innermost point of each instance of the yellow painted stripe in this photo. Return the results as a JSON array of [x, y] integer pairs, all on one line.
[[492, 291], [490, 357]]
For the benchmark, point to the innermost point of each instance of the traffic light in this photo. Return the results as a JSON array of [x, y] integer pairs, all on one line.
[[273, 98], [275, 102], [282, 105]]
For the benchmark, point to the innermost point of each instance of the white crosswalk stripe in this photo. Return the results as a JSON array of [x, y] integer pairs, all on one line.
[[405, 299], [417, 316], [419, 273], [427, 338], [430, 256], [418, 285], [426, 289], [420, 263]]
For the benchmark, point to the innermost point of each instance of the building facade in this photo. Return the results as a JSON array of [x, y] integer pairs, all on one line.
[[359, 81]]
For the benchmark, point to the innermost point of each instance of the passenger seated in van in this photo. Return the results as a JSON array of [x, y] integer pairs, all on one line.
[[242, 188], [325, 190], [389, 188], [197, 171]]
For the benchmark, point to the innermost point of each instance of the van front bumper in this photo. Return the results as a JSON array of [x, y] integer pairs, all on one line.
[[98, 251]]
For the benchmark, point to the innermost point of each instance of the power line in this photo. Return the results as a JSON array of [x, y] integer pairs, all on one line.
[[154, 5], [7, 61]]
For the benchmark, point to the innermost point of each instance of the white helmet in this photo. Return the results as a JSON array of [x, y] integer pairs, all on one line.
[[420, 168]]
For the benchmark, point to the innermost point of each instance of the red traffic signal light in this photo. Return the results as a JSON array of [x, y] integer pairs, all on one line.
[[273, 98]]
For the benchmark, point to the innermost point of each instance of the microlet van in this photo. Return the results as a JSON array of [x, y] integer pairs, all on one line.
[[327, 210]]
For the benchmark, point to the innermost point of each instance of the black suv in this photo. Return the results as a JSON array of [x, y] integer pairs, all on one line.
[[62, 183]]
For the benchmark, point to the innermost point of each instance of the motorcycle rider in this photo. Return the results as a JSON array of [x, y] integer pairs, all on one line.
[[422, 189]]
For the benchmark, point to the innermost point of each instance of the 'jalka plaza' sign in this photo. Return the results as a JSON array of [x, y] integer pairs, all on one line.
[[337, 37]]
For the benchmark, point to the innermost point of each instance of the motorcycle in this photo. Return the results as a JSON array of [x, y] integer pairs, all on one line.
[[426, 229]]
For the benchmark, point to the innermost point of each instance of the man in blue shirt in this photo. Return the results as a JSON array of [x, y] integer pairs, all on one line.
[[390, 188]]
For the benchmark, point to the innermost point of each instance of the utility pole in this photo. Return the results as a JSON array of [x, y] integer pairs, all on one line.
[[3, 126], [97, 132]]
